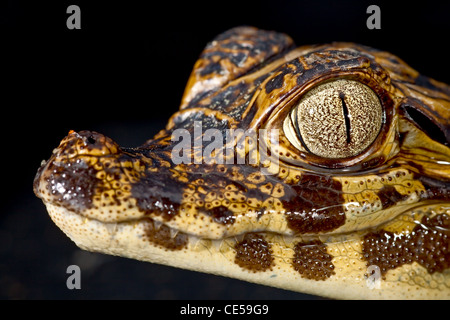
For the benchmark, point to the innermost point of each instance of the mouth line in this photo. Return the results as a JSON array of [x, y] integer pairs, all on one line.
[[158, 226]]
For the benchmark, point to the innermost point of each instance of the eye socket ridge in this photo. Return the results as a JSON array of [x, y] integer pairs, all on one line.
[[337, 119]]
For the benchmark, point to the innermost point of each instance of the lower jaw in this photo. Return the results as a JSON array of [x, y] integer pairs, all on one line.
[[152, 242]]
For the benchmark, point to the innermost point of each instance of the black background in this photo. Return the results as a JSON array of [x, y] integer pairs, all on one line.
[[123, 74]]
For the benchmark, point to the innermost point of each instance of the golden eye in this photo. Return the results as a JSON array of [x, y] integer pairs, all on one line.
[[337, 119]]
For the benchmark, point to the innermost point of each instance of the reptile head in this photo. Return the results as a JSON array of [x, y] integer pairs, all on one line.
[[294, 167]]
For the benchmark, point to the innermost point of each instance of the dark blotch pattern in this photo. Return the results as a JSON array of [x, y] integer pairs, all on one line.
[[234, 53], [435, 189], [428, 244], [253, 253], [390, 197], [316, 205], [276, 82], [158, 194], [73, 185], [312, 261], [162, 237], [221, 215]]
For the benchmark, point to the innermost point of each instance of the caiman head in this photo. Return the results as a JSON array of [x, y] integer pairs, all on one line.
[[322, 169]]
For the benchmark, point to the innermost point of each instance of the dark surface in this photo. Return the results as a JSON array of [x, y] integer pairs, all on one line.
[[123, 74]]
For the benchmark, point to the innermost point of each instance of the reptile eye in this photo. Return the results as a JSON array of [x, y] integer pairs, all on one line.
[[335, 120]]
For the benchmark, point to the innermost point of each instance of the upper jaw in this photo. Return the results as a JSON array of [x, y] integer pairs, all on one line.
[[68, 177]]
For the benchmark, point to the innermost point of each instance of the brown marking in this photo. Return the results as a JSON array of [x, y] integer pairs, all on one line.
[[312, 261], [428, 244], [158, 193], [161, 207], [70, 181], [277, 81], [222, 215], [316, 205], [389, 196], [229, 56], [253, 253], [435, 189], [72, 185], [163, 237]]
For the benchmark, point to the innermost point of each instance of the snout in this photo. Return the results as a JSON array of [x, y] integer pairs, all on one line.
[[69, 177]]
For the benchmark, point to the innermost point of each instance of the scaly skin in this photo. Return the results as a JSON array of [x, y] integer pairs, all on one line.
[[375, 224]]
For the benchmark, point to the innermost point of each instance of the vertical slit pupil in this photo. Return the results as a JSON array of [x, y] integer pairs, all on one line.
[[346, 116]]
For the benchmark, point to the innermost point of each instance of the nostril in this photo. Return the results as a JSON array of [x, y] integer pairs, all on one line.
[[95, 144]]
